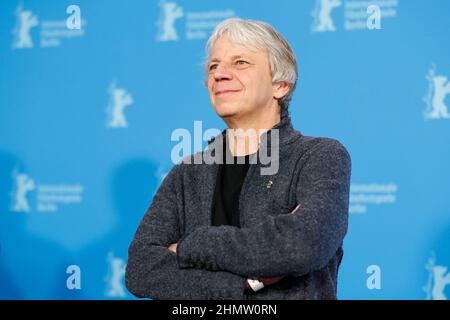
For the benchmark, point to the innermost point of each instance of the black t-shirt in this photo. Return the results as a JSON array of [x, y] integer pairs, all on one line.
[[230, 177]]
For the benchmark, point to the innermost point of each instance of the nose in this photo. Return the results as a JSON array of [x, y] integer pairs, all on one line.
[[222, 73]]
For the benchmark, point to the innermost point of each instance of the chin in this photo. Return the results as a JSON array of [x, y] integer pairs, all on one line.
[[226, 110]]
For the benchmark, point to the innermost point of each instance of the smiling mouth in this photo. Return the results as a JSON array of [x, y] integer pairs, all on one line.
[[225, 92]]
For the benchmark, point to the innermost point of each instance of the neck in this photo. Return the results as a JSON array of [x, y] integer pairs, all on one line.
[[244, 134]]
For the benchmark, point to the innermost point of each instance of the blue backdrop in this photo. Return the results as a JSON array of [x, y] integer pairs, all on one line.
[[90, 94]]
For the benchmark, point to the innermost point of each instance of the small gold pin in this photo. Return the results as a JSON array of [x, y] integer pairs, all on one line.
[[269, 184]]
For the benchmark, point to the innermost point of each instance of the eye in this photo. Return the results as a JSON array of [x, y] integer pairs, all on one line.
[[241, 62], [213, 66]]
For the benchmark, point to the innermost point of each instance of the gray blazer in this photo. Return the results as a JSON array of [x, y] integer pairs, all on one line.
[[213, 262]]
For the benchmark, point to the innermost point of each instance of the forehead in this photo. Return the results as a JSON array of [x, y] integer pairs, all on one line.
[[225, 48]]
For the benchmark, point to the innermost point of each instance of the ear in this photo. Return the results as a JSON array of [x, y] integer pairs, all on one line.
[[280, 89]]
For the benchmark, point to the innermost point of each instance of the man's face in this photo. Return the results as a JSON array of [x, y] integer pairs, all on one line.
[[239, 80]]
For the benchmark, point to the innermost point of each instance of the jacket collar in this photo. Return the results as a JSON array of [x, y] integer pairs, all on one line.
[[286, 134]]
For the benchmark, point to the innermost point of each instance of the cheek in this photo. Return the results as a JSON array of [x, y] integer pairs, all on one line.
[[253, 87], [263, 86], [210, 85]]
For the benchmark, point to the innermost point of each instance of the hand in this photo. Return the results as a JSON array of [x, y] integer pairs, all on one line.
[[269, 281], [173, 247]]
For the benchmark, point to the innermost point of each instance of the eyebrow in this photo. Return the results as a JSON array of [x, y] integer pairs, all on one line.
[[232, 58]]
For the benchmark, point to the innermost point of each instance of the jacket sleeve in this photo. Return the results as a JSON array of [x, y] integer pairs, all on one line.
[[284, 244], [152, 270]]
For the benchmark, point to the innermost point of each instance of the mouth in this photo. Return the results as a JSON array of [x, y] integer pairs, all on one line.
[[222, 92]]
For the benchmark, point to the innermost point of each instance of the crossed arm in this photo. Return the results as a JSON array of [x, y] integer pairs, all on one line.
[[283, 244], [267, 281], [162, 265]]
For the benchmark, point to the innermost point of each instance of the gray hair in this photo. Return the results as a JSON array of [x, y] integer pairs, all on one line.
[[259, 35]]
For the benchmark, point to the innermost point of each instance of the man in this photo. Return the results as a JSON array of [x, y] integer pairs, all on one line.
[[231, 231]]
